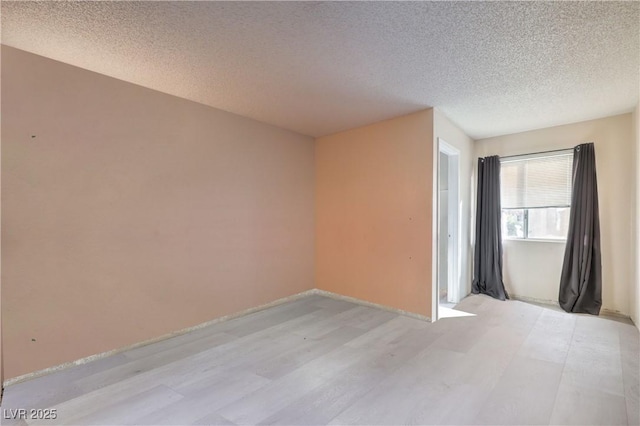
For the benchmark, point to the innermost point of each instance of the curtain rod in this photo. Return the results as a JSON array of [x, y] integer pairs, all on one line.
[[539, 152]]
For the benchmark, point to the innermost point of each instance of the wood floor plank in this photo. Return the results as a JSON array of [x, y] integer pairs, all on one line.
[[594, 359], [87, 405], [394, 399], [52, 389], [586, 406], [120, 412], [204, 396], [304, 352], [550, 337], [630, 360], [525, 394], [319, 360], [152, 361], [331, 398], [261, 404], [185, 363], [386, 332]]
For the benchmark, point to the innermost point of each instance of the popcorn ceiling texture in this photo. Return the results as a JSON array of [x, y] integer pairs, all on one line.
[[319, 67]]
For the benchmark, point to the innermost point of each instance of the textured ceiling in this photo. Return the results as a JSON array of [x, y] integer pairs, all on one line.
[[322, 67]]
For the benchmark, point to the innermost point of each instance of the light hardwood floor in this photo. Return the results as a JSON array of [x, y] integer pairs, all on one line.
[[319, 360]]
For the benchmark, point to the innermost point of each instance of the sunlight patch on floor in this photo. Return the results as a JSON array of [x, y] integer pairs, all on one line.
[[444, 312]]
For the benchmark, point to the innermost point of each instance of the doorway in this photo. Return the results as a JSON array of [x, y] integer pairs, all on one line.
[[447, 288]]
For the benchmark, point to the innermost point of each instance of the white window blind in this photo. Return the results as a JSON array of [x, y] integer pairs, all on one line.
[[536, 181]]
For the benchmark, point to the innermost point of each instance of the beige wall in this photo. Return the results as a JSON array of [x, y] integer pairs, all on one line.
[[374, 212], [532, 269], [133, 213], [450, 133]]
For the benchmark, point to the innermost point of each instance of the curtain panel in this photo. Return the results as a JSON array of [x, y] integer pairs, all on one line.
[[487, 271], [581, 279]]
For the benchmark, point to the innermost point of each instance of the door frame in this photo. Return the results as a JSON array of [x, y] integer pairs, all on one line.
[[454, 224]]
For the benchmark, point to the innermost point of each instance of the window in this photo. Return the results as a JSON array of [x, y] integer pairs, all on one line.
[[536, 196]]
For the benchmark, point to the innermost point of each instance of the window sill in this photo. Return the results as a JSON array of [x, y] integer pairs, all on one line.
[[535, 240]]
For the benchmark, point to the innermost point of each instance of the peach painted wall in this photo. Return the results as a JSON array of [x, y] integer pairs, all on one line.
[[374, 212], [133, 213]]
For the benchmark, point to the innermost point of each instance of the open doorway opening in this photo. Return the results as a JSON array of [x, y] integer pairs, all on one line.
[[448, 229]]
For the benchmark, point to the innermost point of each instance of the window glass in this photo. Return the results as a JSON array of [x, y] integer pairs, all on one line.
[[513, 223], [549, 223], [536, 195]]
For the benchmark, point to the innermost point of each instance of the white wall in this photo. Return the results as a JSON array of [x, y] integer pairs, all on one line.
[[443, 206], [449, 132], [532, 269]]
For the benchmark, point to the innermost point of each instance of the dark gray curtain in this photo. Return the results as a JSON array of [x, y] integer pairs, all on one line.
[[487, 271], [581, 280]]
